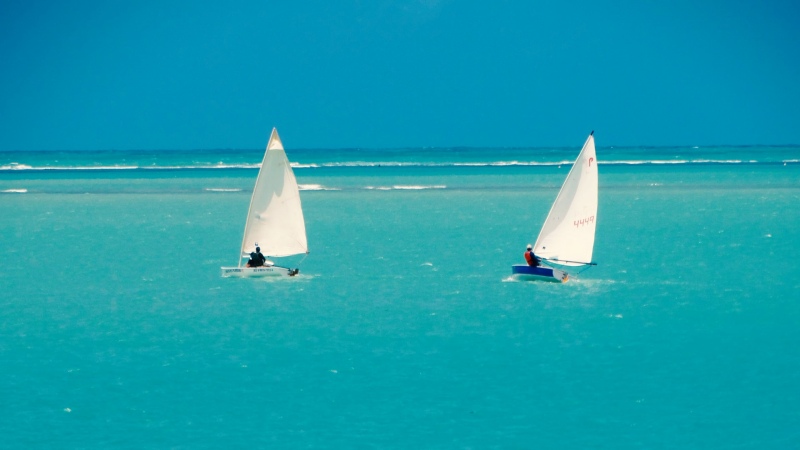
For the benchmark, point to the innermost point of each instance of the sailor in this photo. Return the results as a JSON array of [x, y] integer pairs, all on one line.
[[532, 259], [256, 258]]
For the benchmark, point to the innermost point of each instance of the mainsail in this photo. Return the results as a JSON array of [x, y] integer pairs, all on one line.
[[275, 219], [567, 236]]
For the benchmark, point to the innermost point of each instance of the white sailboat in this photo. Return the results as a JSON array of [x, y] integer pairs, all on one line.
[[567, 236], [275, 219]]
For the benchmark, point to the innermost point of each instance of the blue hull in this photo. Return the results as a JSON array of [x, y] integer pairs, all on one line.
[[539, 273]]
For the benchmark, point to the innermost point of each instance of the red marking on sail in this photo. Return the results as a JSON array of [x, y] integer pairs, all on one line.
[[581, 222]]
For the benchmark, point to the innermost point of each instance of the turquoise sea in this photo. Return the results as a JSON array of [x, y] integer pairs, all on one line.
[[404, 328]]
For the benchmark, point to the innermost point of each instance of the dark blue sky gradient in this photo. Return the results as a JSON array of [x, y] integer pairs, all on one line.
[[201, 74]]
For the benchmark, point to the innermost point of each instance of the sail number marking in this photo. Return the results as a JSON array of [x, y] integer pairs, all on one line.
[[582, 222]]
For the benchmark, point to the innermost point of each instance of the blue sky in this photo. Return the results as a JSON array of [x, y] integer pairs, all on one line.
[[381, 73]]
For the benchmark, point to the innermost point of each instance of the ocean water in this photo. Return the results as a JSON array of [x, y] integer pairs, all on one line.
[[404, 328]]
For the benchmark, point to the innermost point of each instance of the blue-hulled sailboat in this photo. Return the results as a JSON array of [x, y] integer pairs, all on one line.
[[566, 240]]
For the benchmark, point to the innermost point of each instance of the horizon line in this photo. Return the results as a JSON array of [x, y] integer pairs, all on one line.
[[455, 147]]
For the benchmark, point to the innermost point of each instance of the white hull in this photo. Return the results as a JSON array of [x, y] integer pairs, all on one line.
[[258, 272]]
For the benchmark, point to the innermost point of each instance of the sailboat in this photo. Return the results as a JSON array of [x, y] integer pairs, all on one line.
[[275, 219], [566, 239]]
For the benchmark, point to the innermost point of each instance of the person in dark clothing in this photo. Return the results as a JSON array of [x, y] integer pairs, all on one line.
[[530, 257], [256, 258]]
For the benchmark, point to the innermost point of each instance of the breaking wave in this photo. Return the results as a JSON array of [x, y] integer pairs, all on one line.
[[390, 164], [405, 187], [316, 187]]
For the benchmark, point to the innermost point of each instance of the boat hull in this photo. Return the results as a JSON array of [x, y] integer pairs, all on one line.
[[539, 273], [258, 272]]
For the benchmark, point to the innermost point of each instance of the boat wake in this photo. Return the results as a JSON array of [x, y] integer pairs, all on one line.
[[304, 277]]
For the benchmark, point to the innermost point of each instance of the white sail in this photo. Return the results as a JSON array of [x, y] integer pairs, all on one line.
[[567, 236], [275, 219]]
